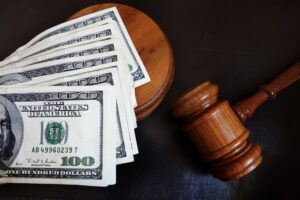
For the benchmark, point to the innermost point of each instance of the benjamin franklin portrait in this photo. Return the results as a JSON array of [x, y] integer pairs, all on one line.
[[7, 137]]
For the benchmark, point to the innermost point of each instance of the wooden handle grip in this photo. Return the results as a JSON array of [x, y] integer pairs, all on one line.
[[245, 109]]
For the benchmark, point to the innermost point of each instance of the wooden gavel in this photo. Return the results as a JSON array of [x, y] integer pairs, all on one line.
[[217, 129]]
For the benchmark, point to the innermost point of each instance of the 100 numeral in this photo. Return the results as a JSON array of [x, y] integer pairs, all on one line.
[[76, 161]]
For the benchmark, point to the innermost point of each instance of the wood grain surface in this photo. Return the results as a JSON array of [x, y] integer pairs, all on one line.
[[154, 49], [246, 108], [217, 132]]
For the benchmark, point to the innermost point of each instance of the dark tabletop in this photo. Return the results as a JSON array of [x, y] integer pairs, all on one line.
[[236, 44]]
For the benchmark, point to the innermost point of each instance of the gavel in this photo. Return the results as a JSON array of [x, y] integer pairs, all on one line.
[[217, 130]]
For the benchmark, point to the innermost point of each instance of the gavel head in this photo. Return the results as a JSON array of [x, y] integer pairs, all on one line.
[[217, 132]]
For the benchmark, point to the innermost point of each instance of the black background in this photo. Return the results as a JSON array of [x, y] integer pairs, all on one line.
[[236, 44]]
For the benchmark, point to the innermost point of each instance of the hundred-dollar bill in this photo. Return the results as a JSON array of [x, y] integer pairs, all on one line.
[[62, 40], [109, 76], [78, 43], [84, 49], [138, 69], [126, 91], [40, 71], [58, 135], [45, 71]]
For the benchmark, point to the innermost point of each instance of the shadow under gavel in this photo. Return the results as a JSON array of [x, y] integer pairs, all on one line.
[[217, 129]]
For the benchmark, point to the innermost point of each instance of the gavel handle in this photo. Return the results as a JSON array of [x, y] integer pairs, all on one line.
[[245, 108]]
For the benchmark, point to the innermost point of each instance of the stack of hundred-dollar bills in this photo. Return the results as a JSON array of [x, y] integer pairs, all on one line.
[[67, 101]]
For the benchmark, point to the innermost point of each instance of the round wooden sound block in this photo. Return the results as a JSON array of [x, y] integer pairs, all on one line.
[[154, 50]]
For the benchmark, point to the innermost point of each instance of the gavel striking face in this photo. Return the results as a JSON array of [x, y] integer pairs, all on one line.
[[217, 132], [217, 129]]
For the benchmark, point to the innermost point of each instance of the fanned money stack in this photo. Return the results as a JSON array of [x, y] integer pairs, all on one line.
[[52, 133]]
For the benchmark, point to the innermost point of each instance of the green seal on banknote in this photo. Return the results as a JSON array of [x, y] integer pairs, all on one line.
[[55, 133], [130, 67]]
